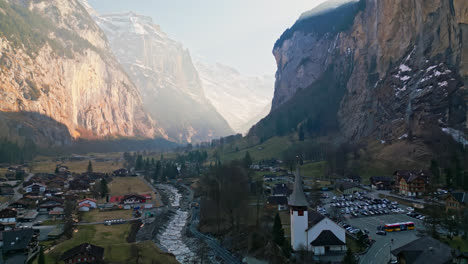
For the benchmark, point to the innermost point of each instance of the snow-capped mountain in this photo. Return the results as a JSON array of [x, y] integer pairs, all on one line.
[[165, 76], [242, 100]]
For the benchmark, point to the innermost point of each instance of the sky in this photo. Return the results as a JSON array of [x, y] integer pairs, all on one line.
[[237, 33]]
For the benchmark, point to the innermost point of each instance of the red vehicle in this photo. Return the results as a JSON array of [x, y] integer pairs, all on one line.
[[399, 226]]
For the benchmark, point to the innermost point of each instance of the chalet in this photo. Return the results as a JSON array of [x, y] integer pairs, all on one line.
[[279, 202], [310, 229], [133, 199], [84, 207], [62, 168], [20, 240], [381, 182], [349, 187], [8, 216], [57, 213], [79, 185], [425, 250], [411, 183], [27, 215], [354, 177], [116, 199], [281, 190], [121, 173], [7, 191], [84, 253], [35, 188], [91, 202], [23, 203], [456, 201], [50, 203]]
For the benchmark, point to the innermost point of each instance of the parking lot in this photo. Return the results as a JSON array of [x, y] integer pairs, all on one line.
[[364, 213]]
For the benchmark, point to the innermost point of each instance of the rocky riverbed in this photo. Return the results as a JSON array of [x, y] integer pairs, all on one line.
[[169, 228]]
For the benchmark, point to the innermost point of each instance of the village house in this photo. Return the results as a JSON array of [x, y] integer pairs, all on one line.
[[62, 168], [24, 203], [456, 201], [35, 188], [19, 240], [8, 216], [133, 199], [281, 189], [84, 253], [311, 230], [411, 183], [120, 173], [277, 202], [381, 182], [91, 202], [426, 250], [348, 188], [57, 213], [47, 204]]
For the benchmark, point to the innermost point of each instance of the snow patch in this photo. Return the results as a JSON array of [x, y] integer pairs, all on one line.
[[431, 68], [405, 78], [443, 84], [403, 136], [404, 68], [457, 135]]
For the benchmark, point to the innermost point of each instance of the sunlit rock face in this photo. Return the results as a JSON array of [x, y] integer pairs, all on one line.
[[165, 76], [241, 99], [402, 67], [57, 63]]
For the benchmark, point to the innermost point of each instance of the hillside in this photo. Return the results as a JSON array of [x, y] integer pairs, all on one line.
[[59, 81], [386, 71]]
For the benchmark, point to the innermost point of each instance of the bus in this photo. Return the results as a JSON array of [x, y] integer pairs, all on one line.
[[399, 226]]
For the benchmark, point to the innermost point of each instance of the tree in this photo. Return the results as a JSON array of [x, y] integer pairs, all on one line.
[[278, 236], [90, 167], [301, 133], [435, 170], [41, 258], [139, 163], [448, 177], [104, 188], [247, 160], [57, 169], [349, 258]]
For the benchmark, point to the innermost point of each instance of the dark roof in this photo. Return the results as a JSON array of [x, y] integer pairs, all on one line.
[[8, 213], [410, 176], [97, 252], [461, 197], [281, 189], [17, 239], [134, 195], [277, 200], [297, 198], [374, 179], [426, 250], [327, 238], [314, 217]]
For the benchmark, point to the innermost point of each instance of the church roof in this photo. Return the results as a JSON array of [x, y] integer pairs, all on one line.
[[297, 198], [327, 238]]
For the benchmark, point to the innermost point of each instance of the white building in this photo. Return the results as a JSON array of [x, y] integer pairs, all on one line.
[[311, 230]]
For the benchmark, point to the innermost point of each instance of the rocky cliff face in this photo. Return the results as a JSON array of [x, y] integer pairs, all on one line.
[[166, 77], [242, 100], [393, 69], [55, 63]]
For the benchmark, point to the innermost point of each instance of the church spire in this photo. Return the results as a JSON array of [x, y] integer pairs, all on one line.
[[297, 197]]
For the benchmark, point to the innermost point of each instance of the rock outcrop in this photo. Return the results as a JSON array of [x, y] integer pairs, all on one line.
[[55, 62], [387, 69]]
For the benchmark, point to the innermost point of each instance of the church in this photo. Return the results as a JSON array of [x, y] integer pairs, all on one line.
[[311, 230]]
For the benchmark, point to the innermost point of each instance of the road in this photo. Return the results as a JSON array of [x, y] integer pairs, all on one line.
[[17, 195], [158, 197], [379, 252]]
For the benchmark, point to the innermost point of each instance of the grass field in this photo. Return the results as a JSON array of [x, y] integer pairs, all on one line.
[[77, 166], [457, 243], [98, 216], [314, 169], [113, 240], [272, 148]]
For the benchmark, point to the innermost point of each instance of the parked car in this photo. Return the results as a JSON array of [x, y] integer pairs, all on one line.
[[381, 233], [410, 209]]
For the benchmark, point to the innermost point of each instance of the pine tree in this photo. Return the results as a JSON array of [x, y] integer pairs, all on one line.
[[278, 232], [434, 168], [104, 188], [247, 160], [301, 133], [41, 258], [90, 167], [139, 163]]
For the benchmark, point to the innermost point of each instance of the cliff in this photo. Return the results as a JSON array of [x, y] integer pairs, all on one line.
[[166, 77], [386, 70], [55, 63]]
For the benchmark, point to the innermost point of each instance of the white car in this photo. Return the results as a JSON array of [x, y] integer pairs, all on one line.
[[410, 209]]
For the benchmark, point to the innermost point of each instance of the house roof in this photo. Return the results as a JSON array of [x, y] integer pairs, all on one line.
[[314, 217], [297, 198], [87, 199], [277, 200], [410, 175], [115, 199], [375, 179], [281, 189], [84, 205], [16, 239], [8, 213], [134, 195], [327, 238], [426, 250], [461, 197], [93, 250]]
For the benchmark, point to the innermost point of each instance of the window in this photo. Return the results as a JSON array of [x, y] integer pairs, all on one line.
[[300, 213]]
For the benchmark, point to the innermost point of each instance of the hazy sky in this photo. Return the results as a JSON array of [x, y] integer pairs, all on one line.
[[238, 33]]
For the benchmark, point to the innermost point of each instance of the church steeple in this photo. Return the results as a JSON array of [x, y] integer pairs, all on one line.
[[297, 197]]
